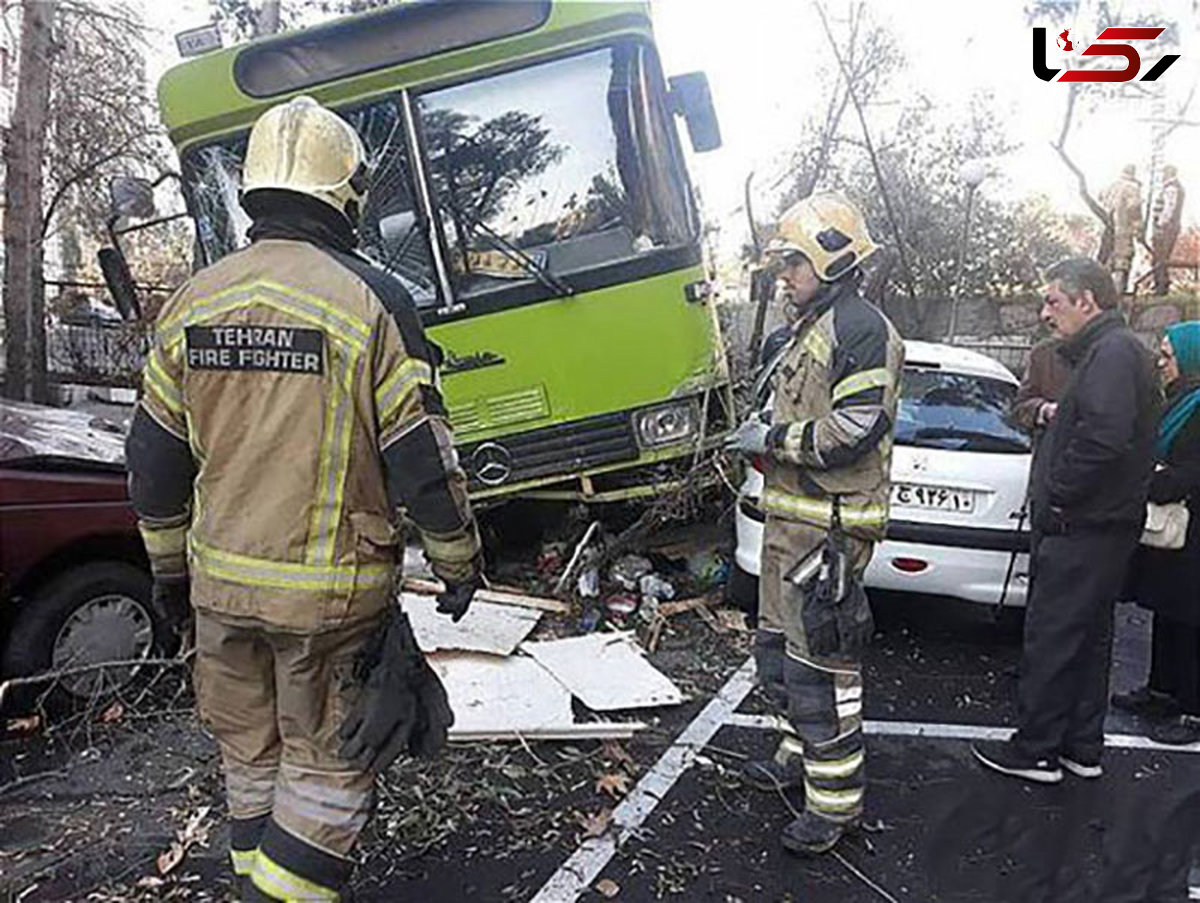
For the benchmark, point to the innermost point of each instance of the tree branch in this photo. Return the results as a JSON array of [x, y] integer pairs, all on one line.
[[910, 285], [83, 172]]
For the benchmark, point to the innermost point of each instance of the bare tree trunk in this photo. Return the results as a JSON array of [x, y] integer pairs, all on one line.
[[24, 289]]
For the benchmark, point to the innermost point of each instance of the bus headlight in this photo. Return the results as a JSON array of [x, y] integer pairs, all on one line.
[[666, 425]]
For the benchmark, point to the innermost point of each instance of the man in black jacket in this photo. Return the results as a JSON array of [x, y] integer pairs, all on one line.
[[1088, 490]]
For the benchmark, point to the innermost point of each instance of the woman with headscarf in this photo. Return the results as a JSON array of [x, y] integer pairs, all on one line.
[[1168, 581]]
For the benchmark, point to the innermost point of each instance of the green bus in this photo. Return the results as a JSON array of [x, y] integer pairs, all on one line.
[[529, 189]]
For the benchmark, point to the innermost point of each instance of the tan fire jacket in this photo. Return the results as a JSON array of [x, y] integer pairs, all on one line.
[[303, 387], [834, 417]]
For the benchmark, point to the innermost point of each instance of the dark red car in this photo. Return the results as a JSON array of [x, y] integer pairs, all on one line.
[[74, 580]]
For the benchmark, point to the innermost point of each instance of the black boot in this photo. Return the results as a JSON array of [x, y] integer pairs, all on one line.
[[770, 775], [811, 835], [1180, 731]]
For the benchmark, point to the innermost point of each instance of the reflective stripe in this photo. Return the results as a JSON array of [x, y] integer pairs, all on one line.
[[390, 396], [450, 551], [837, 768], [282, 884], [164, 387], [879, 378], [163, 541], [816, 344], [335, 458], [243, 861], [329, 807], [791, 745], [285, 574], [833, 800], [250, 788], [319, 312], [819, 512], [848, 710]]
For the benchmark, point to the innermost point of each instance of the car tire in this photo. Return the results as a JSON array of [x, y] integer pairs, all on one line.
[[99, 611]]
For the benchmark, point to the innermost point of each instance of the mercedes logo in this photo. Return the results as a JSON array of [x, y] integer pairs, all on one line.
[[492, 464]]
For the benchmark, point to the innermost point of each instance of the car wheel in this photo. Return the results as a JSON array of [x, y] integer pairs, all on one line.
[[93, 613]]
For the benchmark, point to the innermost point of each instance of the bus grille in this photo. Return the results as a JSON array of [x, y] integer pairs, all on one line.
[[564, 449]]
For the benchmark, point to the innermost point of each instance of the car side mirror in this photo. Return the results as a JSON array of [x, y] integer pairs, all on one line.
[[691, 98], [120, 283], [131, 197]]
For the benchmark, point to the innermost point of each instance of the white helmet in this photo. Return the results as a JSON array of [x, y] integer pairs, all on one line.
[[304, 147]]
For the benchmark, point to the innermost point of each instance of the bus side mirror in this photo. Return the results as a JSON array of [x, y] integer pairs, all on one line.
[[131, 197], [120, 283], [691, 99]]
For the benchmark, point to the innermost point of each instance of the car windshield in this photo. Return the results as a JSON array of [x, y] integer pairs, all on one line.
[[958, 412]]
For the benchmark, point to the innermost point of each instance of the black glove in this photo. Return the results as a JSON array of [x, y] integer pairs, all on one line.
[[402, 708], [456, 598], [171, 605]]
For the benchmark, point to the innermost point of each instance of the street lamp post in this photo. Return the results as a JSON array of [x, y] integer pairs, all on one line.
[[972, 173]]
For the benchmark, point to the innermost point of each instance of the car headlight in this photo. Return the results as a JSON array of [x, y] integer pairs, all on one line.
[[666, 425]]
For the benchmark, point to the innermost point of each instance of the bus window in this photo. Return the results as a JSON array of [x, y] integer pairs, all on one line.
[[389, 233], [570, 167]]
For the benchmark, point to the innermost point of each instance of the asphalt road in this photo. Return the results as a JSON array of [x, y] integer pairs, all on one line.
[[939, 827]]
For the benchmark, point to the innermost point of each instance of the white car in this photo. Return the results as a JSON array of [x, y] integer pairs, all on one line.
[[957, 524]]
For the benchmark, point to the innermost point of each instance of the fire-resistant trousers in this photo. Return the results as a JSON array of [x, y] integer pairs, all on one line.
[[821, 694], [275, 702]]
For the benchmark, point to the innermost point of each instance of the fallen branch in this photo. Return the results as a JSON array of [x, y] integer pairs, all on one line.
[[51, 676], [433, 587], [30, 779], [670, 609]]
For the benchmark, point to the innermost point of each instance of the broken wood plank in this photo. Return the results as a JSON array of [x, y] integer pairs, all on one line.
[[607, 671], [590, 730], [670, 609], [433, 587], [486, 627], [492, 696]]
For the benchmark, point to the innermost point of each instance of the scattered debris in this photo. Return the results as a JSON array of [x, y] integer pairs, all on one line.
[[114, 712], [607, 888], [620, 607], [709, 568], [629, 570], [732, 619], [494, 696], [486, 627], [27, 725], [194, 832], [502, 597], [589, 583], [652, 586], [606, 671]]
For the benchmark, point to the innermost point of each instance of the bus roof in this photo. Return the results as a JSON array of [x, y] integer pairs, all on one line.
[[358, 57]]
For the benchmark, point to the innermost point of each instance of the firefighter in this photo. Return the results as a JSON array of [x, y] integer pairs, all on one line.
[[290, 411], [1123, 202], [1168, 215], [827, 451]]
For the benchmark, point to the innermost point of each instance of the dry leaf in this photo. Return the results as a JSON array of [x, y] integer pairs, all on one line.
[[113, 713], [732, 619], [168, 860], [594, 824], [608, 888], [616, 752], [24, 725], [151, 882], [615, 785]]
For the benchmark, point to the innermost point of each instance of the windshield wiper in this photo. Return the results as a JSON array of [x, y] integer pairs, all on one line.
[[537, 270]]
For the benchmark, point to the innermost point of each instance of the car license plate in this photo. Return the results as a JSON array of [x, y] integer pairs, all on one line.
[[937, 497]]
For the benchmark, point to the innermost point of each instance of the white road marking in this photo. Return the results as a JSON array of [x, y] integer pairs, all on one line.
[[957, 732], [583, 867]]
